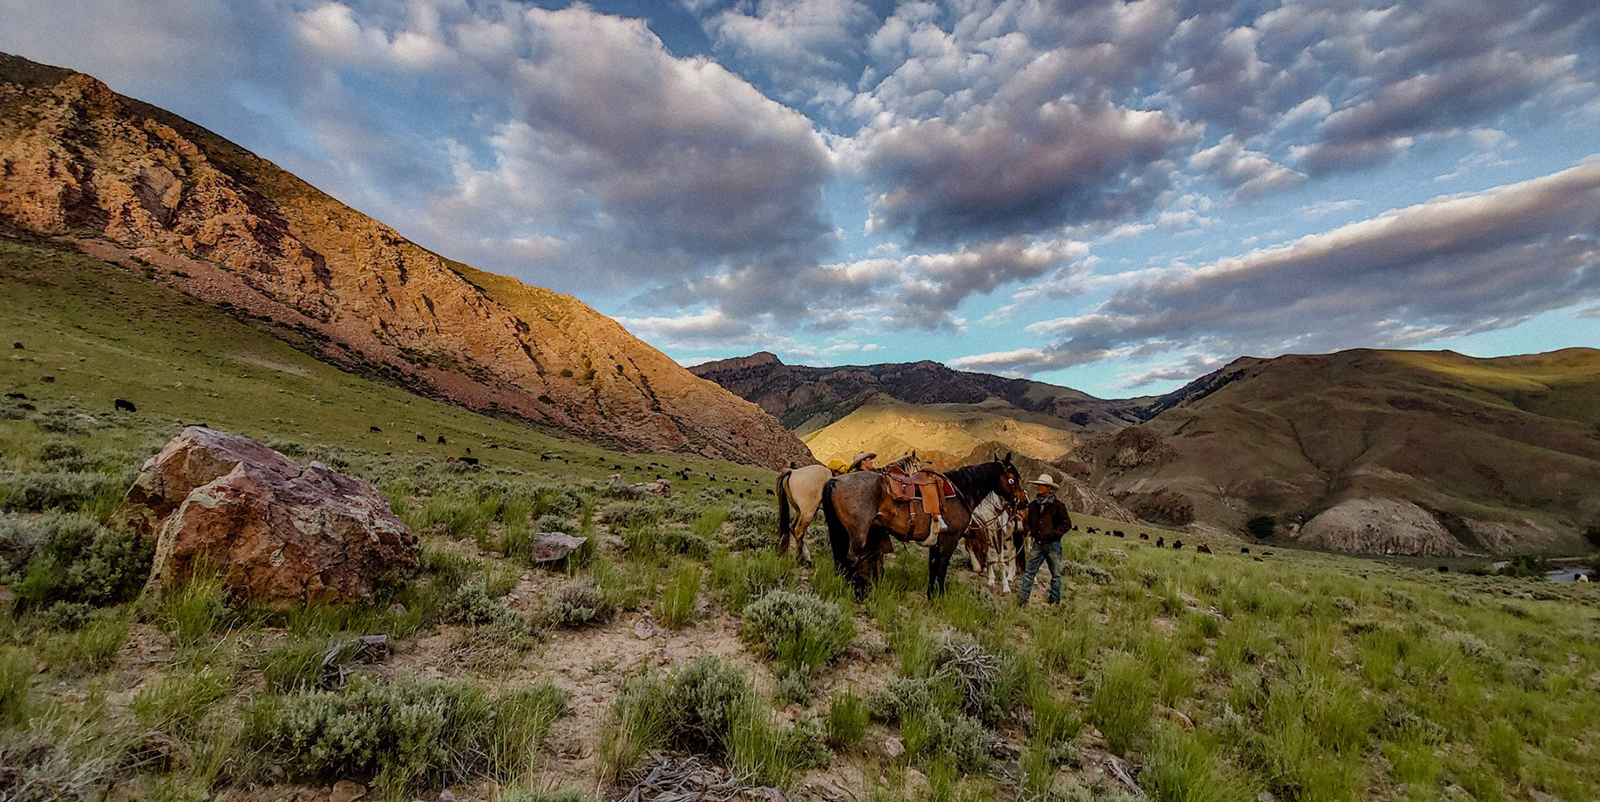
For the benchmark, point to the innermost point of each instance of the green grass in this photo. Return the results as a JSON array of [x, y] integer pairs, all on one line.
[[1315, 677], [679, 599]]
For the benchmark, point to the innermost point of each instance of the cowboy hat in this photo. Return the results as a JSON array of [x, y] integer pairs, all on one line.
[[1044, 479], [861, 455]]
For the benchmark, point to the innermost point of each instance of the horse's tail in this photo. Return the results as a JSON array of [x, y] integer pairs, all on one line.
[[838, 537], [783, 509]]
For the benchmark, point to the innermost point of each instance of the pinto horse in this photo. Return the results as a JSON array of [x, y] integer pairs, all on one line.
[[864, 519]]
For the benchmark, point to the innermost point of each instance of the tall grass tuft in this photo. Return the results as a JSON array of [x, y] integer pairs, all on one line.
[[679, 599], [1121, 701]]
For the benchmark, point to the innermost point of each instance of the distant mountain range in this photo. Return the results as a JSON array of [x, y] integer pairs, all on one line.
[[144, 189], [1404, 452]]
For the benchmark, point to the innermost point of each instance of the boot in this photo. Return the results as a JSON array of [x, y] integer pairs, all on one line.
[[940, 526]]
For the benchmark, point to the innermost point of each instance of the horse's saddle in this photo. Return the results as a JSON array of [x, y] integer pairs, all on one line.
[[908, 486]]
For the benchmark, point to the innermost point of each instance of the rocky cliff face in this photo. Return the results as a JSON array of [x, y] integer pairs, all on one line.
[[146, 189]]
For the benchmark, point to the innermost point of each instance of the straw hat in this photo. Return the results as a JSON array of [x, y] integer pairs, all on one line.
[[1044, 479]]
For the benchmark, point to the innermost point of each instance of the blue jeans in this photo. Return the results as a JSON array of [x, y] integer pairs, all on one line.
[[1037, 554]]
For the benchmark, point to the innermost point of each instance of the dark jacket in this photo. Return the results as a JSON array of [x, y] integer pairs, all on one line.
[[1047, 518]]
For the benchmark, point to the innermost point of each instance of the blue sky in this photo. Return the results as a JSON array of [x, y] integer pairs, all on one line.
[[1117, 196]]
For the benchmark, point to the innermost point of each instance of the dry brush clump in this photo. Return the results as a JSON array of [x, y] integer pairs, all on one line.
[[405, 735]]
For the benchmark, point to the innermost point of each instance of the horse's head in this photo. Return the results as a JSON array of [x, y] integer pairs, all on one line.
[[1009, 483]]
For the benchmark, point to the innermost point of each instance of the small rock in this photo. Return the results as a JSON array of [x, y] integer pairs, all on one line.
[[917, 785], [552, 546], [644, 628], [397, 609], [346, 791], [1178, 716], [893, 747], [1266, 796], [446, 796]]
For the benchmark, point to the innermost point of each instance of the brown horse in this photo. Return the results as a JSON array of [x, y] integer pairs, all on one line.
[[864, 519]]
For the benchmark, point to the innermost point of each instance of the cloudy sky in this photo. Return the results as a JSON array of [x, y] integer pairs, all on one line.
[[1113, 195]]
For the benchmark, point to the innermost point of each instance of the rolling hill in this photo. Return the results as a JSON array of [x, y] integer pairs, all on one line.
[[1405, 452], [808, 398], [1397, 452], [134, 186]]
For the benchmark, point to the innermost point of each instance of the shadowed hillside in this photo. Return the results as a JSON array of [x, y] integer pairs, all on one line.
[[1379, 451], [807, 399], [136, 186]]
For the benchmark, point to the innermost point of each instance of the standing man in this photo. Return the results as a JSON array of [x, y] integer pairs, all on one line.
[[1045, 520]]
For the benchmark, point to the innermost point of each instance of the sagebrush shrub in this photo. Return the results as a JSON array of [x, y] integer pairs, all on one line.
[[472, 604], [705, 700], [407, 734], [799, 631], [56, 490], [581, 604], [61, 558]]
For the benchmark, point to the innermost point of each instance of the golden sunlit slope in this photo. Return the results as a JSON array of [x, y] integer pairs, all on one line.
[[136, 186], [945, 433]]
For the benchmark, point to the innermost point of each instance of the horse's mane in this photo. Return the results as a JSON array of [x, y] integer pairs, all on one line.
[[976, 481]]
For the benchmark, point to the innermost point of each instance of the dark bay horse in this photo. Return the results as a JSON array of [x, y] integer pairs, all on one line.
[[864, 520]]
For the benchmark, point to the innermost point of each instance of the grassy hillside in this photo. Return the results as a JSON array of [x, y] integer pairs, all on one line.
[[103, 333], [1215, 678], [1503, 453]]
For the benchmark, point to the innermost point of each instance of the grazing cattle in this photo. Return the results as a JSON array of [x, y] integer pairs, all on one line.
[[1177, 544], [1093, 531], [1266, 554], [494, 445], [1161, 542], [1144, 535], [441, 440], [124, 405], [544, 457], [469, 460], [1203, 549], [469, 449], [18, 396], [374, 429], [421, 439], [1445, 569], [1244, 550], [18, 345], [1118, 533]]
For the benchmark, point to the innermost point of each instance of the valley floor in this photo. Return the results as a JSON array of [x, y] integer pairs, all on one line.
[[1172, 674]]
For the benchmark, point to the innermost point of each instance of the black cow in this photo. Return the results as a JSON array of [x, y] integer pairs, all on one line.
[[1118, 533], [421, 439], [469, 461], [124, 405], [441, 440], [1203, 549], [1244, 550], [1161, 542], [1177, 544], [374, 430]]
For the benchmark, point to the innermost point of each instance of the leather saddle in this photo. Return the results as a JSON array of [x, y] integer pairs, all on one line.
[[907, 486]]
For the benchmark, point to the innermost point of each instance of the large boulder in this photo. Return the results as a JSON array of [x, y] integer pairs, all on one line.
[[278, 534]]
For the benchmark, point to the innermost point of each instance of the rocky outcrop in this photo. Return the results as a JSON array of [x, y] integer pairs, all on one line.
[[1379, 526], [137, 186], [279, 534]]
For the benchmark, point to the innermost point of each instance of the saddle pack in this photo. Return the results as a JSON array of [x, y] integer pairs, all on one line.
[[924, 486]]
